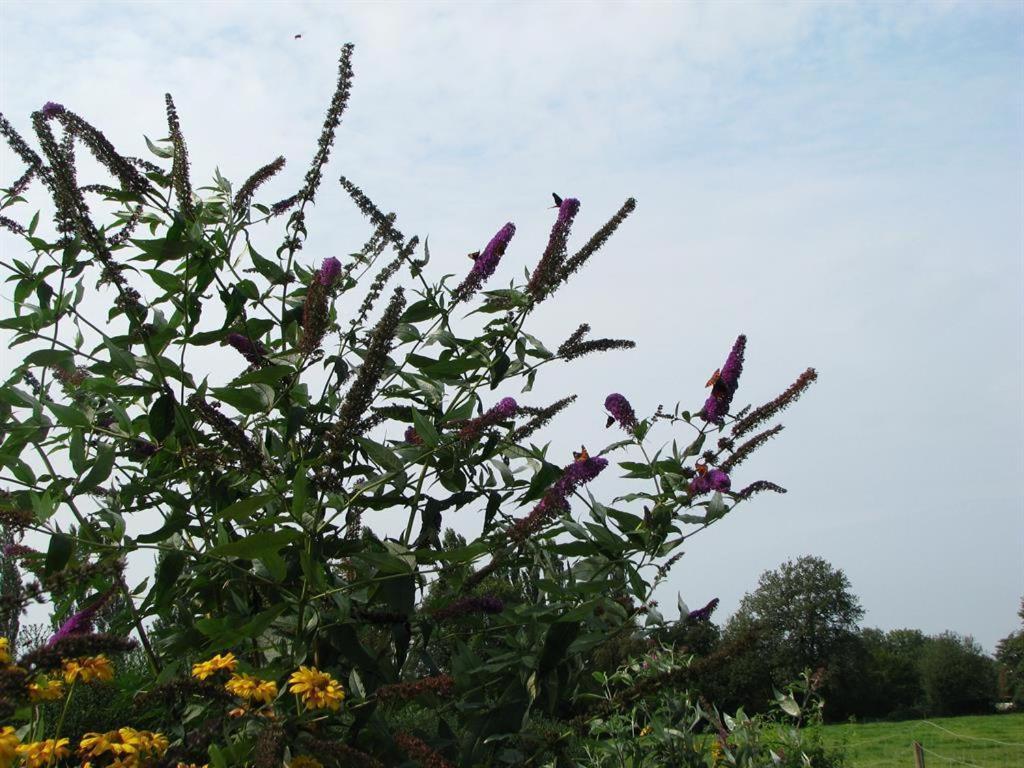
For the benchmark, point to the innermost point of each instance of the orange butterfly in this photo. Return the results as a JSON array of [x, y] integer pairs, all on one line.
[[714, 378], [582, 455]]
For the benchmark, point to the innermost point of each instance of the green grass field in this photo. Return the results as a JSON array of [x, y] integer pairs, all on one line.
[[990, 741]]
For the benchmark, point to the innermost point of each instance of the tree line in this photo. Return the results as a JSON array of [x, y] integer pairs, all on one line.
[[804, 615]]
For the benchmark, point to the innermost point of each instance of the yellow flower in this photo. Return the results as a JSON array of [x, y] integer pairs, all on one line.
[[89, 669], [305, 761], [204, 669], [646, 731], [9, 742], [46, 689], [95, 744], [252, 688], [318, 690], [145, 743], [5, 651], [40, 754]]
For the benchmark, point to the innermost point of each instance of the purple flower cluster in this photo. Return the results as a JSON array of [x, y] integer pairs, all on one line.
[[712, 480], [486, 262], [329, 271], [505, 409], [81, 622], [621, 411], [52, 108], [251, 350], [465, 606], [556, 499], [545, 275], [725, 383], [703, 614]]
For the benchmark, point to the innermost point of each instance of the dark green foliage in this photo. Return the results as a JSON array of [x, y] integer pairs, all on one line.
[[956, 676], [1010, 655]]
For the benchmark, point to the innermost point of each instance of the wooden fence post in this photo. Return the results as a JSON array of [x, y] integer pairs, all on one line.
[[918, 755]]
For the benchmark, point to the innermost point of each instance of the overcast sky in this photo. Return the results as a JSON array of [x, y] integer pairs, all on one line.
[[843, 183]]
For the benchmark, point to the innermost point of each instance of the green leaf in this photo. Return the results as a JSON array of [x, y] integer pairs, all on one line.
[[256, 545], [161, 417], [160, 152], [381, 454], [271, 374], [246, 400], [716, 507], [100, 470], [68, 415], [59, 553], [273, 272], [61, 358], [76, 451], [425, 429], [169, 568], [243, 509], [121, 359], [419, 311]]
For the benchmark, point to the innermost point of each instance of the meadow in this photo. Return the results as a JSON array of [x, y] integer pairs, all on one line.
[[989, 741]]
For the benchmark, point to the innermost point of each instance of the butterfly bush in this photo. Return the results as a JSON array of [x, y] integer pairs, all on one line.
[[247, 467]]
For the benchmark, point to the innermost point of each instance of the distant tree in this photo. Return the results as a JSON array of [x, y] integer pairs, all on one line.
[[956, 676], [805, 616], [888, 684], [1010, 655]]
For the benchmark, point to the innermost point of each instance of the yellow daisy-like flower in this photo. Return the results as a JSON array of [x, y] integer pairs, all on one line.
[[40, 754], [305, 761], [318, 690], [89, 669], [646, 731], [95, 744], [46, 689], [205, 669], [5, 651], [251, 688], [9, 742], [144, 743]]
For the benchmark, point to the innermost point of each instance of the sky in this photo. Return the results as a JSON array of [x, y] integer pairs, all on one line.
[[844, 183]]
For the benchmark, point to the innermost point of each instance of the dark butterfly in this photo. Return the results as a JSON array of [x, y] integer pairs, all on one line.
[[611, 420], [558, 201], [298, 36], [474, 255], [582, 455]]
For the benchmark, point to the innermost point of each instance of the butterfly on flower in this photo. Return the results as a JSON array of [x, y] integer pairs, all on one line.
[[714, 378], [474, 255], [582, 455], [557, 199], [702, 467]]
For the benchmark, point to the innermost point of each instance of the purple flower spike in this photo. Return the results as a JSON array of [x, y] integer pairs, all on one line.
[[504, 410], [81, 622], [621, 411], [251, 350], [486, 262], [724, 384], [703, 614], [556, 499], [52, 108], [329, 271]]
